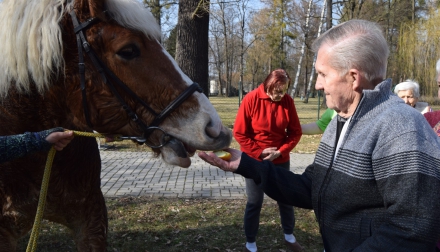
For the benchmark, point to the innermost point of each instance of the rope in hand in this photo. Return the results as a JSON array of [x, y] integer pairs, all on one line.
[[32, 245]]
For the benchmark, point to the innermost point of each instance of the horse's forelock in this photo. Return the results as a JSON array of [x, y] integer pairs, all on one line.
[[132, 14], [31, 38]]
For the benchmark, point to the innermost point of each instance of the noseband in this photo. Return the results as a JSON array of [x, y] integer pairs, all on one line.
[[107, 74]]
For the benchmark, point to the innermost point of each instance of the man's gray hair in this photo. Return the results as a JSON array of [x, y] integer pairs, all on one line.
[[408, 85], [358, 44]]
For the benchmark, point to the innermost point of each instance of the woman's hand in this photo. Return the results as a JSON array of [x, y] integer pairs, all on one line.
[[214, 160], [270, 154], [59, 140]]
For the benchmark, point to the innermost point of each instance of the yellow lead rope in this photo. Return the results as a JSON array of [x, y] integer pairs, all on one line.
[[32, 245]]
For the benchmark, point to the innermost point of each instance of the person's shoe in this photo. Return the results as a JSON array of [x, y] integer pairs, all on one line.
[[295, 247], [246, 249]]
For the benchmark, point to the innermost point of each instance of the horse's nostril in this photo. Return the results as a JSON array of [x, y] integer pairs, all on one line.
[[213, 129]]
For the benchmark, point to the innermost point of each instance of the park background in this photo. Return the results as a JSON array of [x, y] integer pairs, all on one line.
[[229, 47], [239, 42]]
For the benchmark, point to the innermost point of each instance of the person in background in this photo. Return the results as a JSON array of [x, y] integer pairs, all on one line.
[[267, 128], [433, 119], [437, 70], [374, 184], [319, 126], [409, 91], [16, 146]]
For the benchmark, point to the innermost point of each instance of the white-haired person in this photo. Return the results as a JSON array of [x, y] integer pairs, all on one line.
[[374, 184], [409, 91], [437, 71]]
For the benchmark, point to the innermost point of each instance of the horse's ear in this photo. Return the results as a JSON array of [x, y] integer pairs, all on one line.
[[95, 8]]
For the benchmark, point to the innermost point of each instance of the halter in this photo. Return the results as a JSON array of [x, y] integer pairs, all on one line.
[[107, 74]]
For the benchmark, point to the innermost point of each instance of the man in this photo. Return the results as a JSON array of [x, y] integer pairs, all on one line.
[[375, 182], [437, 71]]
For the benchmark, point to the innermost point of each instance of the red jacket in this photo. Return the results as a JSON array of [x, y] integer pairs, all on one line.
[[433, 117], [262, 123]]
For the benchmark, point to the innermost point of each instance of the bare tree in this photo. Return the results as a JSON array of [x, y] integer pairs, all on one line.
[[192, 41], [312, 74], [298, 71]]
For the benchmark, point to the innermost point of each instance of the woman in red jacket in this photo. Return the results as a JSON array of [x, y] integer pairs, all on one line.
[[267, 128]]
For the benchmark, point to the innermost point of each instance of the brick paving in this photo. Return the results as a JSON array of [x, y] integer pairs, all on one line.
[[141, 174]]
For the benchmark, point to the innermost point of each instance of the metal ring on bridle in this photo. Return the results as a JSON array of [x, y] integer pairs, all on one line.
[[164, 139]]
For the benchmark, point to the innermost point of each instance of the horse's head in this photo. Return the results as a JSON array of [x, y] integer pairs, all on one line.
[[129, 80]]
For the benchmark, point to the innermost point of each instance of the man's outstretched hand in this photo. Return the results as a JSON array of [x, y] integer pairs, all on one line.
[[231, 165]]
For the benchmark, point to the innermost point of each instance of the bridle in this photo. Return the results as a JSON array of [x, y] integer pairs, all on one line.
[[110, 79]]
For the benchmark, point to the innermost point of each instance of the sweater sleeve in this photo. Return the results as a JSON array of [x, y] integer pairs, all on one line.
[[325, 119], [293, 132], [16, 146], [278, 183]]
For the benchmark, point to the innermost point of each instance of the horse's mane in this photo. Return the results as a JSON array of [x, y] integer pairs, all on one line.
[[31, 38]]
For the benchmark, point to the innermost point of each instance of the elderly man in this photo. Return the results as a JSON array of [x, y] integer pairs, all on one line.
[[375, 183]]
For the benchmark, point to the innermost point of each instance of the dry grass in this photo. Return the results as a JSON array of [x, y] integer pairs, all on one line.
[[146, 224]]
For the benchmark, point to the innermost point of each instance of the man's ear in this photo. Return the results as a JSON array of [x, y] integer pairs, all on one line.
[[357, 80]]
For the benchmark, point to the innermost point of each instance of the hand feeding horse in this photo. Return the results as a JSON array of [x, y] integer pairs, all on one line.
[[89, 65]]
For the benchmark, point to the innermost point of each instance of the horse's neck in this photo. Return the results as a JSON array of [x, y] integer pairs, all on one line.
[[29, 112]]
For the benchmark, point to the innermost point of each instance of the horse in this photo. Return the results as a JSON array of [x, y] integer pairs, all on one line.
[[89, 65]]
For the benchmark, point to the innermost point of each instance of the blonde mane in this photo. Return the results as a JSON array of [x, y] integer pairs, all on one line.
[[31, 38]]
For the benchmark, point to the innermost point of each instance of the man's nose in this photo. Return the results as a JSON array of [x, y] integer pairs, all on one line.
[[318, 85]]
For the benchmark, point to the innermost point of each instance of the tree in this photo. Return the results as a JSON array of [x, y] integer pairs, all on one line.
[[161, 11], [170, 42], [192, 41], [418, 52]]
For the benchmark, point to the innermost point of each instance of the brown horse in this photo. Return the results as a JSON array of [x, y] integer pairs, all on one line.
[[89, 65]]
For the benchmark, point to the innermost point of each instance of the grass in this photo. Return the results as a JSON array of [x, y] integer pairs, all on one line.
[[147, 224]]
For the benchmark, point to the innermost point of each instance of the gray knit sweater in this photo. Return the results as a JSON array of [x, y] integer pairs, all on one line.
[[382, 191]]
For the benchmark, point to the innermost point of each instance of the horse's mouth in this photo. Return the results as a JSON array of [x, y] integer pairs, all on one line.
[[176, 152]]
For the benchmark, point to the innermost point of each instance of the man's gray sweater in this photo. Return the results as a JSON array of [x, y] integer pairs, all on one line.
[[381, 192]]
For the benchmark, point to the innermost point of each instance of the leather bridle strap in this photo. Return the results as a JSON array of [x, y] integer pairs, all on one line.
[[106, 72], [82, 69]]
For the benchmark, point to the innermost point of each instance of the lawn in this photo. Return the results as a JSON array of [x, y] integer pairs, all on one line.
[[146, 224]]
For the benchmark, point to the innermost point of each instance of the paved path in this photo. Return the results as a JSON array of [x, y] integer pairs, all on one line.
[[140, 174]]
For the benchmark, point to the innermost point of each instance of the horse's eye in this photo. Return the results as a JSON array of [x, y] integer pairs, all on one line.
[[129, 52]]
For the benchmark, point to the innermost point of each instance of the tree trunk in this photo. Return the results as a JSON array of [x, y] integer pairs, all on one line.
[[312, 74], [329, 16], [192, 41], [298, 71]]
